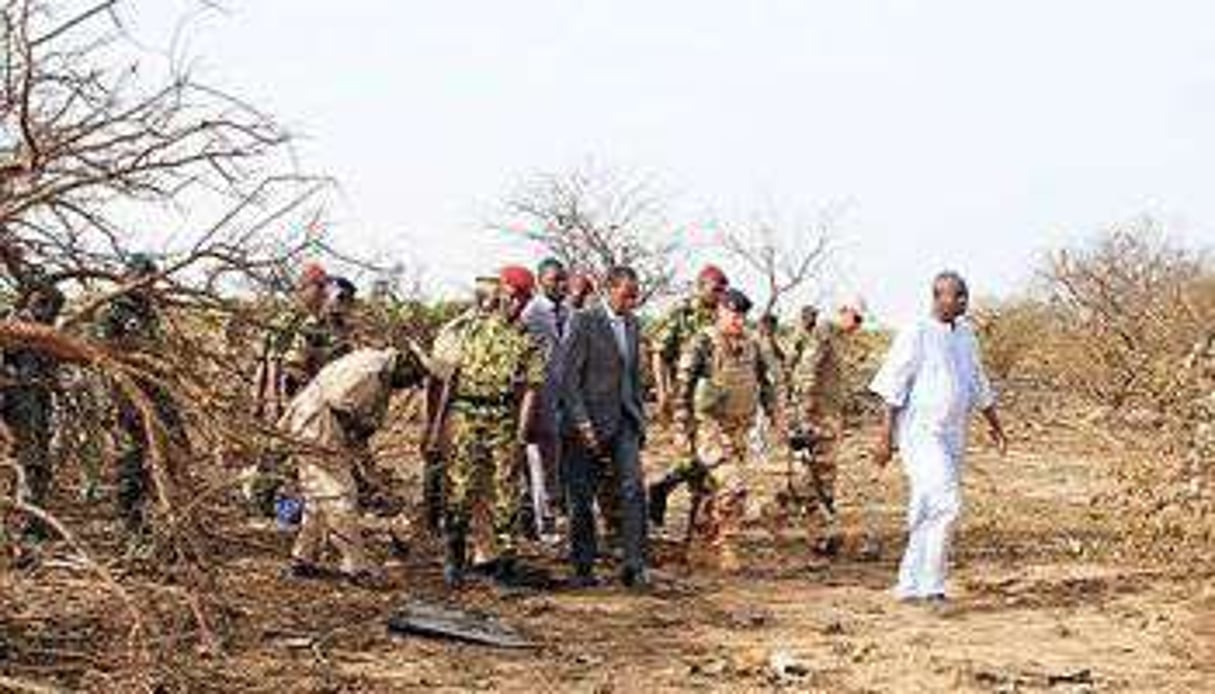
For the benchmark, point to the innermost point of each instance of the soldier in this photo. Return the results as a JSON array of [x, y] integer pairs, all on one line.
[[683, 323], [491, 411], [340, 319], [723, 379], [27, 407], [672, 334], [131, 323], [308, 339], [293, 349], [445, 360], [336, 415], [816, 400]]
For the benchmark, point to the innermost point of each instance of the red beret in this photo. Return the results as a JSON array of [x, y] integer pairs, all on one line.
[[518, 278], [713, 273], [313, 273]]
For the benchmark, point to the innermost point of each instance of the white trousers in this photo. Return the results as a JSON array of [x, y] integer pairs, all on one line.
[[932, 463]]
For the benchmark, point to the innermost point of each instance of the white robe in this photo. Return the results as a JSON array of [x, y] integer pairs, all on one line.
[[934, 375]]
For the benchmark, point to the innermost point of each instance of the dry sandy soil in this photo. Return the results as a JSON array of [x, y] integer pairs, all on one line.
[[1041, 603]]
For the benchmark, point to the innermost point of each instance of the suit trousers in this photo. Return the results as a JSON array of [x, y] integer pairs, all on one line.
[[622, 452]]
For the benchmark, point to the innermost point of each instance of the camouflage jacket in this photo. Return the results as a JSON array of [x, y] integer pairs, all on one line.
[[723, 379], [680, 325], [498, 362], [304, 343], [815, 366]]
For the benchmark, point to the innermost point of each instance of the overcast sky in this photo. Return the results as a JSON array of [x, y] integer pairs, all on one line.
[[958, 133]]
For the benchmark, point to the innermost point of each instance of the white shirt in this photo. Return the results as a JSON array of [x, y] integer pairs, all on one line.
[[619, 329], [934, 374]]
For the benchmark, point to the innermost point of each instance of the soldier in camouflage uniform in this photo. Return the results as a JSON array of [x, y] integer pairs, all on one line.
[[307, 343], [27, 407], [670, 337], [340, 319], [816, 400], [490, 414], [131, 324], [296, 347], [674, 330], [723, 381], [445, 360]]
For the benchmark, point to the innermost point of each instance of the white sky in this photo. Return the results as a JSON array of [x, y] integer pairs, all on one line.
[[965, 134]]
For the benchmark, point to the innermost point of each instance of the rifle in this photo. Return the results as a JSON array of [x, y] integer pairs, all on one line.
[[803, 443]]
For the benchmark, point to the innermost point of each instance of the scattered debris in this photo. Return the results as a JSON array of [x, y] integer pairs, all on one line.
[[421, 619]]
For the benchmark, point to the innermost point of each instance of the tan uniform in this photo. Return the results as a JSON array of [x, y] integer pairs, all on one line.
[[722, 383], [816, 406], [349, 394]]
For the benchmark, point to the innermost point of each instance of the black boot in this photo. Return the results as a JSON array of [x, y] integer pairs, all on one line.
[[456, 562], [432, 494], [657, 495]]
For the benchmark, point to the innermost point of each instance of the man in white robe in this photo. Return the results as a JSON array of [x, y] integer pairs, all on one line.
[[931, 380]]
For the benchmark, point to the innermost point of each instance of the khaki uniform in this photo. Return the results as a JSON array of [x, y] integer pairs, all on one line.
[[721, 385], [334, 415], [497, 363], [816, 404]]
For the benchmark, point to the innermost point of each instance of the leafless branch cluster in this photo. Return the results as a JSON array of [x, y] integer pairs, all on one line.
[[98, 136], [785, 259], [1135, 302], [592, 218]]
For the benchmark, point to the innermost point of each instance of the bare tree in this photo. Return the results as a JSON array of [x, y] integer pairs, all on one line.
[[785, 258], [1129, 306], [592, 218], [100, 140], [98, 134]]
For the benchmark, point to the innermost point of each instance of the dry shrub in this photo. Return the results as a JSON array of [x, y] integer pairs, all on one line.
[[1109, 330]]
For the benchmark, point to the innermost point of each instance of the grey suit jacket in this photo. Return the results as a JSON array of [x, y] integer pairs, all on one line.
[[600, 385]]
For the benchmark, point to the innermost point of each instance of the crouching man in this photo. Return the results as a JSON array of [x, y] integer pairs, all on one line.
[[332, 419]]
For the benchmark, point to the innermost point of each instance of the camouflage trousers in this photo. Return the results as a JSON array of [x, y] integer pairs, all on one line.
[[723, 445], [134, 475], [810, 493], [28, 413], [482, 483]]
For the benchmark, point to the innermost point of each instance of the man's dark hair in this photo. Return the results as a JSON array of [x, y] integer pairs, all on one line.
[[951, 276], [346, 290], [549, 264], [621, 273], [770, 321]]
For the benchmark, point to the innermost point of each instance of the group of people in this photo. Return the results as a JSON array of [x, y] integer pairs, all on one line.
[[537, 403]]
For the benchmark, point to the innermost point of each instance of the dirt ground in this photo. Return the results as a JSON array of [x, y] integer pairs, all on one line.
[[1041, 603]]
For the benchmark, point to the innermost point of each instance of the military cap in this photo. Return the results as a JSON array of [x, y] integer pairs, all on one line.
[[735, 300]]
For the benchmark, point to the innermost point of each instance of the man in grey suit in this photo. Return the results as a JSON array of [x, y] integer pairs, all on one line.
[[546, 318], [605, 424]]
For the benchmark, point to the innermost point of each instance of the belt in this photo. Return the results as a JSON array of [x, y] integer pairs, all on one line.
[[497, 401]]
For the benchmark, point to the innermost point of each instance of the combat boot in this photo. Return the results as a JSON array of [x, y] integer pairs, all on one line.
[[455, 565], [657, 495]]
